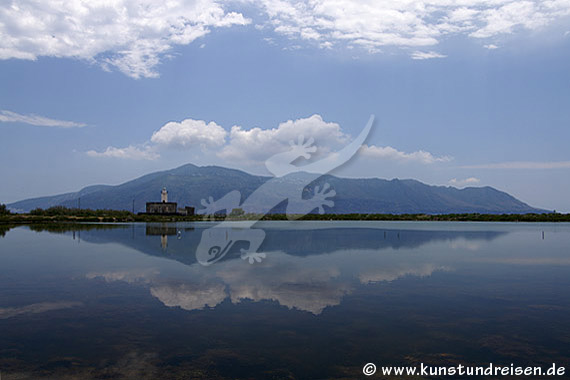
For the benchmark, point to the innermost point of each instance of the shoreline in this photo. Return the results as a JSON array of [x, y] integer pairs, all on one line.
[[127, 217]]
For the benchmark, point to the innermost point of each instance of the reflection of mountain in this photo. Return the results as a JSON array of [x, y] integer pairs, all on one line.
[[306, 242], [310, 265], [185, 238], [306, 269], [60, 228]]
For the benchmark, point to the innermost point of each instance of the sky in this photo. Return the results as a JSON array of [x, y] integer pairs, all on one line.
[[465, 93]]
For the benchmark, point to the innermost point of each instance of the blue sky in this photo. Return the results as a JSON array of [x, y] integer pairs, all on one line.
[[474, 94]]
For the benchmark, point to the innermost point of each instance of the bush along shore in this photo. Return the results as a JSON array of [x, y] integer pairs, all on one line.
[[63, 214]]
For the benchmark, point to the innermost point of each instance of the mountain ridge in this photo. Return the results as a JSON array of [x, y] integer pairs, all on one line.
[[188, 184]]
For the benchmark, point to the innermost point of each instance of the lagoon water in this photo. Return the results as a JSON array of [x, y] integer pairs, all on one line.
[[130, 301]]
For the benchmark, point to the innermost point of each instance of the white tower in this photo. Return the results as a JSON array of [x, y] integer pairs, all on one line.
[[164, 195]]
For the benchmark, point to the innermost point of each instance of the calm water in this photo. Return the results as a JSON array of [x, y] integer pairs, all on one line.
[[131, 301]]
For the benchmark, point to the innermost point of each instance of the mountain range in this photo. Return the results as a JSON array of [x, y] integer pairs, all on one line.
[[189, 183]]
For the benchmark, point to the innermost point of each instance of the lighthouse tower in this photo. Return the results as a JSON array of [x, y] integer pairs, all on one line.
[[164, 195]]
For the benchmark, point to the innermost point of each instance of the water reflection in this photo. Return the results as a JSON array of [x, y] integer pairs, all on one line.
[[4, 228], [310, 267], [305, 283], [344, 292], [163, 230], [36, 308], [293, 238]]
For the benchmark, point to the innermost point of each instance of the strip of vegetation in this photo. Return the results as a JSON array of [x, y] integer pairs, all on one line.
[[74, 215], [4, 210]]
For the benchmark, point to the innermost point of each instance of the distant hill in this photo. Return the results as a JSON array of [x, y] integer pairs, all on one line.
[[188, 184]]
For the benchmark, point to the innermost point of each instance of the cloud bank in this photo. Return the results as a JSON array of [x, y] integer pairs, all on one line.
[[130, 36], [134, 37], [252, 147], [405, 23]]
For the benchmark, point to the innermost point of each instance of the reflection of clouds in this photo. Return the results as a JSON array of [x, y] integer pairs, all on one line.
[[36, 308], [291, 281], [190, 296], [555, 261], [308, 283], [461, 243], [391, 274], [311, 297], [311, 283], [136, 365], [128, 276], [132, 365]]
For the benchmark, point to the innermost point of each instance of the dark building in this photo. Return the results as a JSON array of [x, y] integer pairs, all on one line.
[[167, 208], [161, 208], [187, 210]]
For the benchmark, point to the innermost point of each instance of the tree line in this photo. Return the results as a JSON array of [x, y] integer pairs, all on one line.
[[62, 213]]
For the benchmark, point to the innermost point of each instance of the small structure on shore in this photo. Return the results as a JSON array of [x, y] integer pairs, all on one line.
[[167, 208]]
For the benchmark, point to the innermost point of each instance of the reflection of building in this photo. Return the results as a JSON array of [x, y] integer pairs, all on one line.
[[167, 208], [163, 231], [164, 241]]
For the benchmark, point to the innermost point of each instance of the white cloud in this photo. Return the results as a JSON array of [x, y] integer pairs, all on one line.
[[131, 152], [131, 36], [490, 46], [406, 23], [464, 182], [504, 19], [522, 165], [190, 133], [389, 153], [252, 147], [13, 117], [134, 37], [256, 144], [421, 55]]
